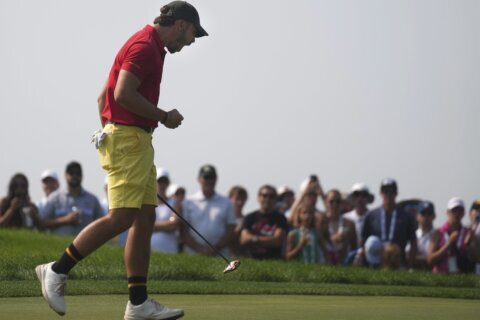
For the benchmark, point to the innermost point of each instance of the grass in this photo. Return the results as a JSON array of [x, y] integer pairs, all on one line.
[[247, 307], [103, 272]]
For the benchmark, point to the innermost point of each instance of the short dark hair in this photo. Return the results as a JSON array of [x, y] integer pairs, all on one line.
[[239, 191], [73, 165], [268, 187]]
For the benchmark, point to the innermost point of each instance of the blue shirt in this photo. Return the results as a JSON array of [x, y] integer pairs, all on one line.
[[60, 203], [403, 230]]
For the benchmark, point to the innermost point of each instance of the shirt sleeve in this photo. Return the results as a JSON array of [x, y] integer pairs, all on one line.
[[48, 210], [230, 214], [139, 60], [247, 223]]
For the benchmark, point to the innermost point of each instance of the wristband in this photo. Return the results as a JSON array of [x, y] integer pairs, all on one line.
[[165, 120]]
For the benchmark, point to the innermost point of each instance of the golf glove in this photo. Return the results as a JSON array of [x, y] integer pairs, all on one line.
[[97, 138]]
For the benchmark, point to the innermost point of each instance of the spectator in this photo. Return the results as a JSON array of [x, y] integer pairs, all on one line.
[[310, 191], [360, 196], [176, 193], [209, 213], [475, 227], [425, 214], [165, 229], [391, 224], [342, 236], [16, 209], [285, 199], [50, 184], [264, 230], [448, 250], [67, 212], [303, 242], [238, 196]]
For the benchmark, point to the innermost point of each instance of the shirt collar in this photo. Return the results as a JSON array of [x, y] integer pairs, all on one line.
[[158, 41], [200, 196]]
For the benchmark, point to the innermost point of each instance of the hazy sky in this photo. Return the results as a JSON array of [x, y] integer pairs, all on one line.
[[350, 90]]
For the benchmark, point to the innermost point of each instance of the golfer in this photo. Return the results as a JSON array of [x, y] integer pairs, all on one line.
[[127, 106]]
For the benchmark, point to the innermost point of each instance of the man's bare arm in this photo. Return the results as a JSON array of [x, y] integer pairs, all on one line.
[[101, 101]]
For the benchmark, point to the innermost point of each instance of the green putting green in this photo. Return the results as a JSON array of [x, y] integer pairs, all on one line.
[[248, 307]]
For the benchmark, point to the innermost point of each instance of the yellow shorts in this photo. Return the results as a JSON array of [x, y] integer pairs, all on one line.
[[127, 155]]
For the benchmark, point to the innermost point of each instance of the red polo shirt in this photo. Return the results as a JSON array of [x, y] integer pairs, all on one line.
[[143, 55]]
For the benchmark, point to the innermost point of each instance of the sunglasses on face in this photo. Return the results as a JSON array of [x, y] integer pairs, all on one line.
[[75, 173], [360, 194], [335, 201]]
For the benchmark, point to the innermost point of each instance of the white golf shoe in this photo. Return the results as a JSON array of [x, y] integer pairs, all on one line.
[[151, 310], [53, 287]]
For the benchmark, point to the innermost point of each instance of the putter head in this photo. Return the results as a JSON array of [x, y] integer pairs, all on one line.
[[232, 266]]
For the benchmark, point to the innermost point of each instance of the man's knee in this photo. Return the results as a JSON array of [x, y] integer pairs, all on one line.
[[123, 218]]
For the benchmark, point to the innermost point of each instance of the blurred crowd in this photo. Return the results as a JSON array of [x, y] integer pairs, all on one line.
[[398, 235]]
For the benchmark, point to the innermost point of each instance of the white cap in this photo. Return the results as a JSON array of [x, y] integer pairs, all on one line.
[[161, 172], [49, 174], [374, 250], [455, 202], [172, 188], [283, 189], [360, 187]]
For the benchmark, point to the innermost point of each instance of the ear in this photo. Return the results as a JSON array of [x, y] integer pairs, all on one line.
[[180, 24]]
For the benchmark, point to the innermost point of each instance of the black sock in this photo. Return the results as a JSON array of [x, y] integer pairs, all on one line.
[[137, 290], [68, 260]]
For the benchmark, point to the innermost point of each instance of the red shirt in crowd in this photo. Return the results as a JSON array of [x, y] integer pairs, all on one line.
[[143, 55]]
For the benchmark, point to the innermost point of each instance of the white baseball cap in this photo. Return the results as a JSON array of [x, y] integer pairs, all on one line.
[[360, 187], [455, 202], [161, 172], [172, 189], [283, 189], [49, 174]]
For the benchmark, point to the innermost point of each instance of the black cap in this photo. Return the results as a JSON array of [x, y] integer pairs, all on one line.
[[73, 166], [475, 205], [207, 171], [185, 11], [388, 184]]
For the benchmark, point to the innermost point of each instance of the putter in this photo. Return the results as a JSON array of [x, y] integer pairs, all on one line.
[[231, 265]]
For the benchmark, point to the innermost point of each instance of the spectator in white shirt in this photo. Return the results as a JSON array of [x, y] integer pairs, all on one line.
[[209, 213], [361, 197]]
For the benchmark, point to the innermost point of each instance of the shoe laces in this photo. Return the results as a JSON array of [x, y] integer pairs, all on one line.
[[59, 286], [157, 305]]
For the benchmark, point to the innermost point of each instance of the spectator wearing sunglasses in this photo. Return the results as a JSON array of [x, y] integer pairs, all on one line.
[[392, 224], [425, 214], [361, 197], [264, 230], [449, 250], [342, 237], [67, 212]]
